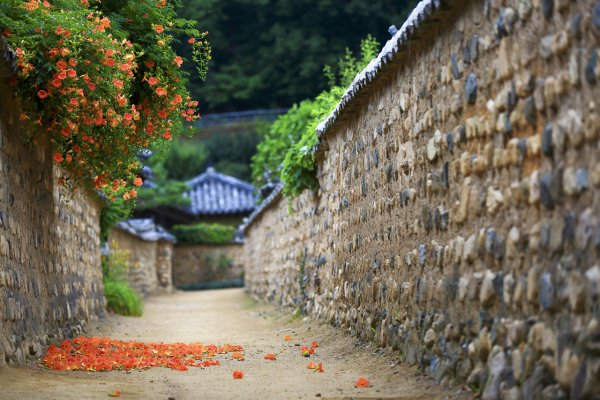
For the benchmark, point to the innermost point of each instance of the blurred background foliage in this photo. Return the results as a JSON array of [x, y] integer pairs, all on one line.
[[271, 53]]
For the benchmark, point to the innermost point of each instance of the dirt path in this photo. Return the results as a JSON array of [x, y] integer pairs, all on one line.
[[227, 316]]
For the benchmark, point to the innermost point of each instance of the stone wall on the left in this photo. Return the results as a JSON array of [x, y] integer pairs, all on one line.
[[50, 270]]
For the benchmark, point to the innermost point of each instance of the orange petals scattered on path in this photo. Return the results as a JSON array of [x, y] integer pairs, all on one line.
[[314, 344], [287, 337], [115, 394], [105, 354], [315, 367], [270, 356], [238, 374], [237, 355], [362, 382]]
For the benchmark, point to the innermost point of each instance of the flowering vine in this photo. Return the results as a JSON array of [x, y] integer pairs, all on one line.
[[101, 79]]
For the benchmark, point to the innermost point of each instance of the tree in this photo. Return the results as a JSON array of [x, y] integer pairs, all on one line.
[[269, 54]]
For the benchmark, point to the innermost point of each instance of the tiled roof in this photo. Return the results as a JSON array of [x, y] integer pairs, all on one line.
[[422, 17], [216, 193], [145, 229], [275, 195]]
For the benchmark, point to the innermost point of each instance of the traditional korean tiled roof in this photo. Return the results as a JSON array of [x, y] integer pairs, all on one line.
[[145, 229], [213, 193]]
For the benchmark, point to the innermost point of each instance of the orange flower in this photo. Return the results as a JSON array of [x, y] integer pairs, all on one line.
[[362, 382], [319, 368], [65, 131], [128, 116], [177, 99], [138, 182], [74, 101], [61, 64], [311, 351], [152, 81], [62, 76], [179, 61], [237, 355], [76, 148], [149, 63], [314, 344], [58, 158], [6, 33], [162, 114], [72, 73], [190, 111], [158, 28], [270, 356], [287, 337], [167, 135], [238, 374], [42, 94], [312, 365], [134, 194], [92, 87], [57, 83], [46, 4], [68, 158], [192, 40], [110, 62], [160, 91], [73, 62], [115, 394]]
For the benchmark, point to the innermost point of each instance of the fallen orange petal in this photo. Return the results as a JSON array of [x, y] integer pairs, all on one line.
[[314, 344], [237, 355], [115, 394], [238, 374], [287, 337], [319, 368], [270, 356], [362, 382], [311, 351]]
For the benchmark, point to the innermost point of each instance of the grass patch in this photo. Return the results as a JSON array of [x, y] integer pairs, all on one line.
[[123, 300], [120, 298]]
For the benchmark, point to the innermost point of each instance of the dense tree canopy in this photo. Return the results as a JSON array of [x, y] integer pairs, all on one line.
[[271, 53]]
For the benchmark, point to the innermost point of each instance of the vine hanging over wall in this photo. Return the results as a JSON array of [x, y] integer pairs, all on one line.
[[101, 79]]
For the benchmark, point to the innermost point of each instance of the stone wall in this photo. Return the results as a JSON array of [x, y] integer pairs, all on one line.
[[456, 219], [199, 264], [149, 262], [50, 271]]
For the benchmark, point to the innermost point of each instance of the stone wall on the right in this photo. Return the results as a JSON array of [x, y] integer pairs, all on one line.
[[457, 213]]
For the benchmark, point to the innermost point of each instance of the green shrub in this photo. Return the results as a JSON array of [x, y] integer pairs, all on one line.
[[120, 298], [123, 300], [287, 147], [203, 233]]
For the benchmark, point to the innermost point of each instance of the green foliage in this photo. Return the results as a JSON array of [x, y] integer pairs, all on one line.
[[224, 261], [102, 80], [230, 149], [111, 214], [285, 131], [203, 233], [269, 54], [120, 298], [289, 145], [184, 160], [123, 300]]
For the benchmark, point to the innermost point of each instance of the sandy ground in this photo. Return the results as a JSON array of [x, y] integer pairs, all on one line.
[[228, 316]]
